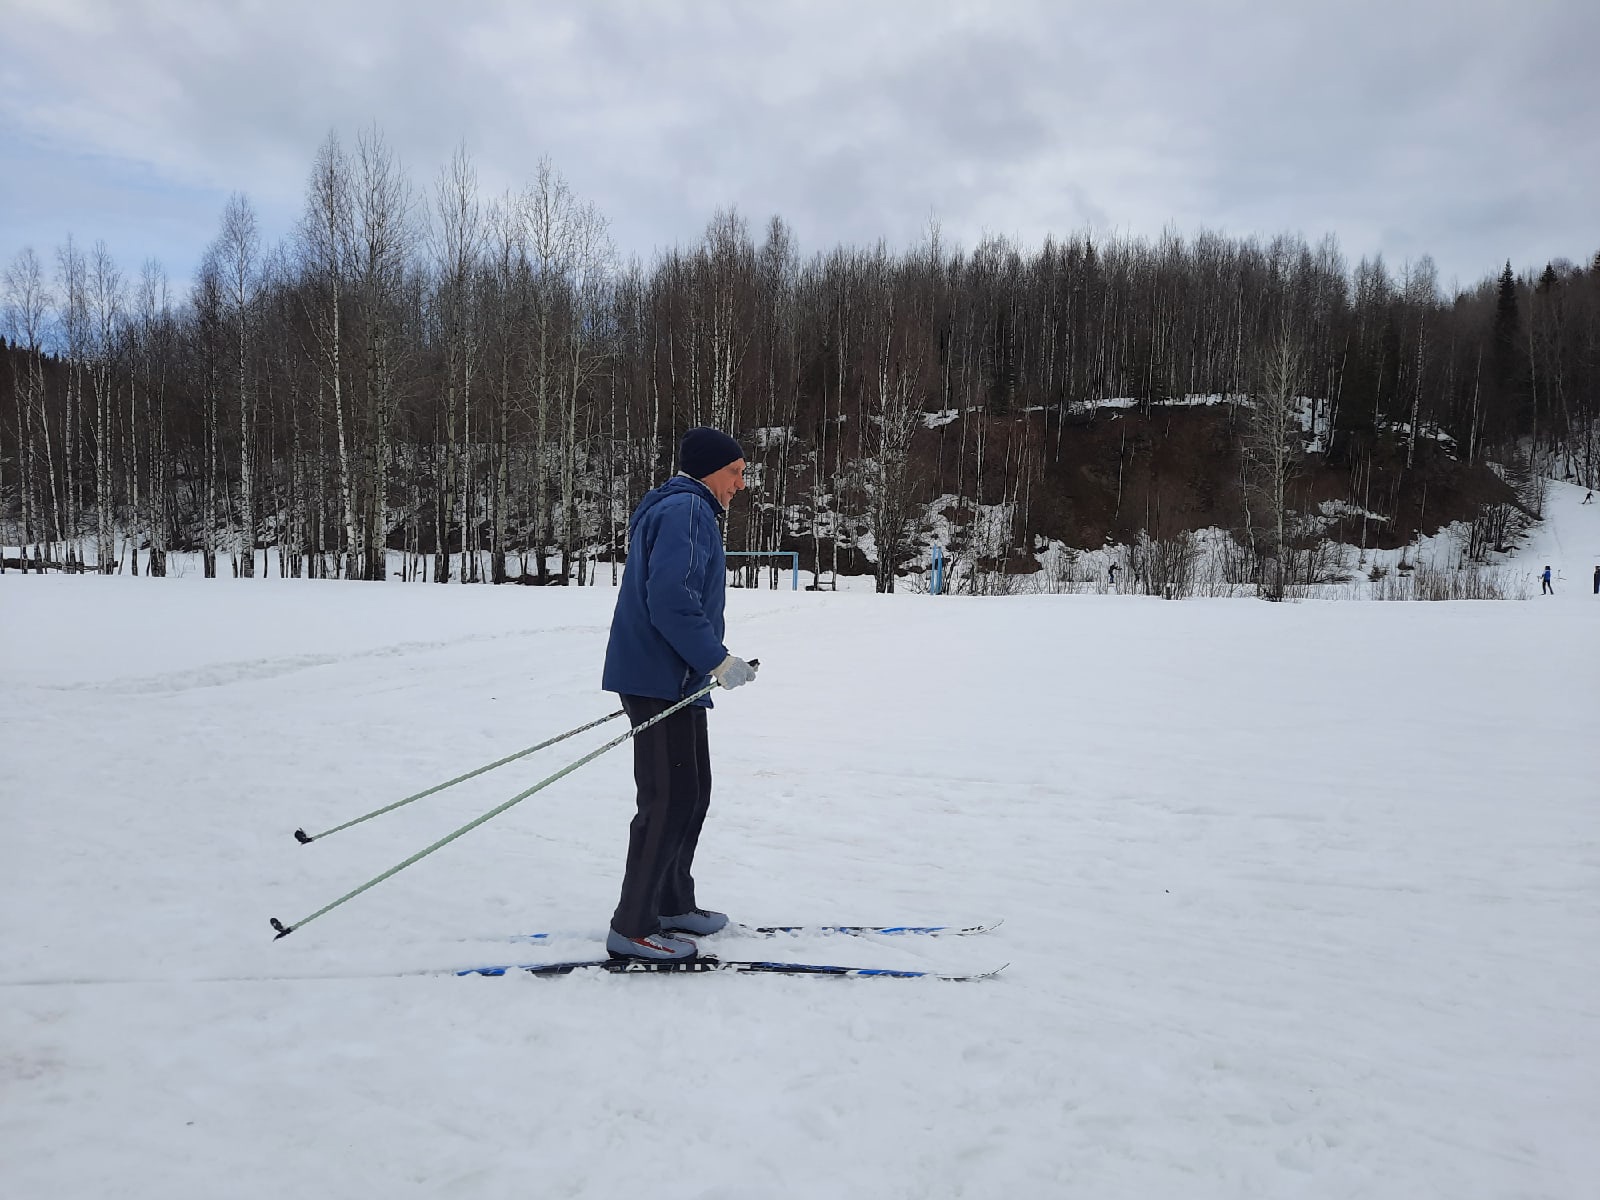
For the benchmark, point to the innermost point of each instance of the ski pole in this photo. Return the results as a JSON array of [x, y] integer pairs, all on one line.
[[285, 930], [305, 839]]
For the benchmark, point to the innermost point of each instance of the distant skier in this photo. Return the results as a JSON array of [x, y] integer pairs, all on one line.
[[1597, 581], [1113, 574], [1546, 590], [1589, 497]]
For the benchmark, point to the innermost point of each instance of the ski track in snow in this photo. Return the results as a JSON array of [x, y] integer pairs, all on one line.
[[225, 673], [1301, 900]]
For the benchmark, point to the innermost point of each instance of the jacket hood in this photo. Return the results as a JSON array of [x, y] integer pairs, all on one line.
[[676, 486]]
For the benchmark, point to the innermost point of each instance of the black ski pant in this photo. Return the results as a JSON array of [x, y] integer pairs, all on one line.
[[672, 768]]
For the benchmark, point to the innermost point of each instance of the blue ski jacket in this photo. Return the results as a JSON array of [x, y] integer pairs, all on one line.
[[667, 631]]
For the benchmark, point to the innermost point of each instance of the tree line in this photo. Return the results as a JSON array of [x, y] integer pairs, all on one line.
[[483, 383]]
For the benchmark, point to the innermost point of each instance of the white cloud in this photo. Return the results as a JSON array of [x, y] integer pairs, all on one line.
[[1468, 131]]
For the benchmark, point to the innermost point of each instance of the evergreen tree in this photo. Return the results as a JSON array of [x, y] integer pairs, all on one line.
[[1508, 373]]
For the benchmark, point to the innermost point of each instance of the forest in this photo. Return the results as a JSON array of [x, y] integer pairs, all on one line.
[[425, 380]]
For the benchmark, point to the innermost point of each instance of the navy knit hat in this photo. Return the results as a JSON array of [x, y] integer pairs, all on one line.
[[706, 451]]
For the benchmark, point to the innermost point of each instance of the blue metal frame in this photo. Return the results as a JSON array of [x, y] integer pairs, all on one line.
[[792, 555]]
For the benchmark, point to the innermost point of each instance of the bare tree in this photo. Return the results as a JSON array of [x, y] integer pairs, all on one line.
[[72, 273], [208, 308], [237, 253], [570, 262], [27, 311], [105, 299], [457, 248], [1420, 288], [593, 257], [385, 240], [507, 308], [780, 346], [725, 268], [153, 339], [327, 241], [1273, 448], [896, 341]]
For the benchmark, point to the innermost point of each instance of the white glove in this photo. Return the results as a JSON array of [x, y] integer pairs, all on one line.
[[731, 672]]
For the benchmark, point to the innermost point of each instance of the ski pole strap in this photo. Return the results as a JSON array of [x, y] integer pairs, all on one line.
[[305, 839], [285, 930]]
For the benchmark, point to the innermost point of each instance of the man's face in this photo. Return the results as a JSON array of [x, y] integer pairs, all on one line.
[[726, 483]]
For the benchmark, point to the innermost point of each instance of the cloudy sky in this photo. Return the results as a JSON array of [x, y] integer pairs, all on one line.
[[1463, 129]]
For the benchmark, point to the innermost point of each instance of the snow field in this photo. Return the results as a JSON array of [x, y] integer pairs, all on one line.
[[1300, 900]]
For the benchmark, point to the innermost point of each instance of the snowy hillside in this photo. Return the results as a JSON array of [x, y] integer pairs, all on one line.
[[1300, 900]]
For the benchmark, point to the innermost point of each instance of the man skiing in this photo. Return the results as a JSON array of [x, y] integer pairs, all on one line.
[[1546, 589], [666, 644]]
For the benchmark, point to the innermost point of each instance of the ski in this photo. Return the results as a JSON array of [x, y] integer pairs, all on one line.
[[771, 931], [864, 930], [707, 965]]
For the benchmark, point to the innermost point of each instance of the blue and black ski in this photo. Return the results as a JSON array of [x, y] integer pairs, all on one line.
[[771, 931], [708, 964]]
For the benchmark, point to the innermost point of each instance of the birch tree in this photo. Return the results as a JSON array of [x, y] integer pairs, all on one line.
[[27, 308], [73, 322], [507, 309], [1273, 449], [326, 238], [237, 253], [385, 240], [154, 350], [725, 274], [209, 317], [895, 341], [105, 300], [779, 312], [590, 277], [458, 248], [566, 242]]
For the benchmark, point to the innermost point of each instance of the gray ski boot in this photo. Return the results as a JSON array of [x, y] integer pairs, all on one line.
[[698, 921], [654, 946]]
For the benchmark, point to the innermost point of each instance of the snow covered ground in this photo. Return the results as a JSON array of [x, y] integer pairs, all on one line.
[[1300, 900]]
